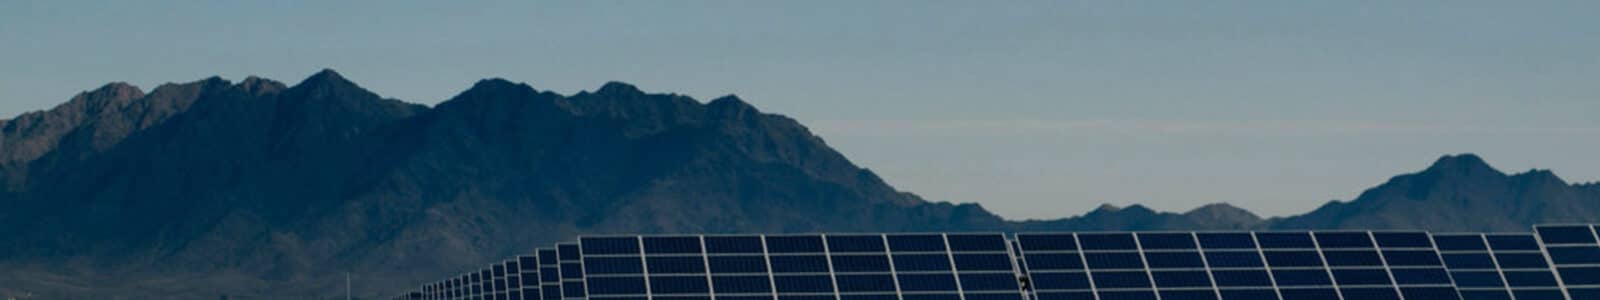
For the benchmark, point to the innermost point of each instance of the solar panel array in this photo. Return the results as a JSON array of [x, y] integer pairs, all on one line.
[[1554, 262], [1575, 254]]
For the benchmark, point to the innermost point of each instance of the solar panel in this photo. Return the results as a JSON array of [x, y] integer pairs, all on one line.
[[549, 274], [570, 264], [1553, 262], [1575, 255]]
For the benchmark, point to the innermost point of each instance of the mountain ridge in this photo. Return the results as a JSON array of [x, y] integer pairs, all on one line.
[[286, 186]]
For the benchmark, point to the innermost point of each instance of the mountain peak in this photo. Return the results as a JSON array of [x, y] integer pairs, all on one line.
[[496, 84], [1223, 211], [618, 88], [327, 78], [118, 90], [1465, 163], [257, 85]]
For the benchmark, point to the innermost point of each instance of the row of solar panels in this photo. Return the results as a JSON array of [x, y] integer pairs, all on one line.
[[1555, 262]]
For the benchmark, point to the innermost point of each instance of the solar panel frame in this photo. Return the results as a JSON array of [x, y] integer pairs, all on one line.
[[982, 266], [1573, 253]]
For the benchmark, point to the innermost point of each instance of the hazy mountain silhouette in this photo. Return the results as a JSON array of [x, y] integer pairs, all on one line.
[[257, 188], [1459, 193]]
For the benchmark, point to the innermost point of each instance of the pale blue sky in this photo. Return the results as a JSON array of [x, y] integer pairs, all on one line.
[[1035, 109]]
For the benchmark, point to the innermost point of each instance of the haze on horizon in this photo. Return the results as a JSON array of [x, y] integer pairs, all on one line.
[[1036, 109]]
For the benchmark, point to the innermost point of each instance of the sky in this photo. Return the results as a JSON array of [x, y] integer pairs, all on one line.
[[1034, 109]]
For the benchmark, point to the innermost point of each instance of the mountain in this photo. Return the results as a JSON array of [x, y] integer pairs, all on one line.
[[258, 188], [261, 189], [1459, 193]]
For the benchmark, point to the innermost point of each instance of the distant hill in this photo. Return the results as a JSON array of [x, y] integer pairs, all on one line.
[[1459, 193], [257, 188]]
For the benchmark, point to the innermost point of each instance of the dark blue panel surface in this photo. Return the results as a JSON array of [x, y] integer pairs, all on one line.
[[1530, 278], [1303, 258], [1301, 277], [927, 282], [1174, 260], [1114, 260], [1310, 294], [1055, 261], [572, 289], [1121, 279], [1538, 294], [1233, 259], [866, 283], [994, 296], [1188, 295], [855, 243], [799, 264], [549, 274], [883, 296], [1280, 240], [1572, 255], [1254, 294], [1064, 296], [738, 264], [945, 296], [1168, 279], [1339, 258], [1402, 240], [733, 244], [1584, 293], [672, 245], [1060, 281], [1579, 275], [988, 282], [741, 284], [1488, 278], [1381, 293], [1107, 241], [1226, 240], [970, 242], [547, 256], [1411, 258], [676, 264], [1512, 242], [921, 262], [610, 245], [614, 265], [1468, 260], [1361, 277], [568, 252], [1566, 235], [1460, 242], [600, 286], [1485, 295], [571, 270], [794, 244], [1334, 240], [1420, 276], [1128, 295], [1521, 260], [1166, 241], [916, 243], [1232, 278], [1429, 293], [860, 263], [983, 262], [803, 283], [679, 285], [1047, 242]]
